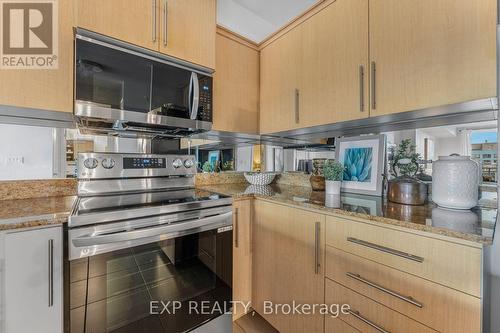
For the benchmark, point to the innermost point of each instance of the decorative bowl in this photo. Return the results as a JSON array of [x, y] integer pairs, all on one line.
[[259, 178]]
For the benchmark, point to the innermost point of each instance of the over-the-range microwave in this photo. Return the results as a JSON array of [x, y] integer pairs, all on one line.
[[131, 91]]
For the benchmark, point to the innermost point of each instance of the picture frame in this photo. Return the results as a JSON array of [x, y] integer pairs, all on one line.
[[364, 159], [214, 157]]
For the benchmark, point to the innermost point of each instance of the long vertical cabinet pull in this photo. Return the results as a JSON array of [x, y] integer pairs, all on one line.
[[317, 231], [165, 30], [236, 228], [153, 28], [51, 272], [361, 88], [373, 86], [297, 109]]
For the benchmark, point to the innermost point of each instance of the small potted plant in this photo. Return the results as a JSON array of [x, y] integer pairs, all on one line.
[[333, 171]]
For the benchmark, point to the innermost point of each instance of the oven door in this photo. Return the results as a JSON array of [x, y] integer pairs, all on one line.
[[153, 284]]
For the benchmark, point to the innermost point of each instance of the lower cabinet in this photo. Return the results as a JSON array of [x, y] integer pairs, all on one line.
[[33, 285], [288, 265], [242, 258]]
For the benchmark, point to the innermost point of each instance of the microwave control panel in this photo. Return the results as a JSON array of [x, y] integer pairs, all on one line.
[[205, 106]]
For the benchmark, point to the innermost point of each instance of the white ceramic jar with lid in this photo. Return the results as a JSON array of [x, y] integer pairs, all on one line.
[[455, 182]]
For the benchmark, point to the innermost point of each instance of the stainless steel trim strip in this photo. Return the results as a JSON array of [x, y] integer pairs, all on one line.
[[361, 88], [366, 321], [51, 272], [236, 228], [165, 28], [153, 28], [386, 249], [36, 117], [137, 213], [297, 107], [407, 299], [116, 44], [91, 240], [317, 265], [112, 116], [373, 83]]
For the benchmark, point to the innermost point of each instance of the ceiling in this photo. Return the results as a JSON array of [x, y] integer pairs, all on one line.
[[257, 19]]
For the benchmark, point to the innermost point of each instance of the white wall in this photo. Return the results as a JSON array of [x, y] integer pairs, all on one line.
[[26, 152]]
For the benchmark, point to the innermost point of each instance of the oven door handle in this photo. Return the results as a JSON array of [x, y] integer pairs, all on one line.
[[194, 95], [90, 240]]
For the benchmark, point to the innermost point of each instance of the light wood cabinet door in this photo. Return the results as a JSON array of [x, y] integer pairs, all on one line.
[[288, 264], [236, 86], [132, 21], [45, 89], [242, 258], [431, 53], [34, 279], [334, 85], [187, 30], [280, 83]]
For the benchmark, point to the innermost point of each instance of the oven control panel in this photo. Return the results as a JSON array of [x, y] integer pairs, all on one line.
[[112, 165]]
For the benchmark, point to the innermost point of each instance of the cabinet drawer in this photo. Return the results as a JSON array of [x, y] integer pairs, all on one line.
[[367, 315], [335, 325], [441, 308], [453, 265]]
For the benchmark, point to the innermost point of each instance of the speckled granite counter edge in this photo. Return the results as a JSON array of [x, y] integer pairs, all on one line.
[[378, 219], [33, 221]]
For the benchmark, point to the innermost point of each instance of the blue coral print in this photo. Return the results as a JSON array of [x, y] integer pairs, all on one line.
[[358, 164]]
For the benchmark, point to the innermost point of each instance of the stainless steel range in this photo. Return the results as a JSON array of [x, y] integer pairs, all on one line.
[[141, 236]]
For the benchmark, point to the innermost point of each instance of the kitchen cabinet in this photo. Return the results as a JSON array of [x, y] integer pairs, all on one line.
[[334, 69], [280, 87], [288, 246], [242, 257], [45, 89], [33, 275], [114, 18], [187, 30], [236, 85], [431, 53], [180, 28]]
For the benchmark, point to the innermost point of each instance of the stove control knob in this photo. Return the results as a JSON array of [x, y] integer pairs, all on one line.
[[177, 163], [90, 163], [108, 163], [188, 164]]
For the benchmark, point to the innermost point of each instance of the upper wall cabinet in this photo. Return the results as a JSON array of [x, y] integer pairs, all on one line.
[[46, 89], [280, 84], [236, 85], [317, 73], [430, 53], [187, 30], [181, 28], [334, 80]]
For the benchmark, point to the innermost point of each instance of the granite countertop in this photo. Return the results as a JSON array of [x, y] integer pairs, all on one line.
[[35, 212], [476, 225]]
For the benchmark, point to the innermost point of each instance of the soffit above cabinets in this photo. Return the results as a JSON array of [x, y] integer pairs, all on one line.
[[258, 19]]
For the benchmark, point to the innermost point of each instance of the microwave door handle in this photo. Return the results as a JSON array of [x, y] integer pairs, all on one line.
[[217, 221], [196, 96]]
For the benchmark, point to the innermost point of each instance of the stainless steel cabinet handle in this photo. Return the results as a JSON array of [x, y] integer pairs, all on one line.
[[236, 228], [297, 110], [366, 321], [386, 249], [153, 28], [361, 88], [373, 86], [317, 230], [51, 272], [408, 299], [165, 30]]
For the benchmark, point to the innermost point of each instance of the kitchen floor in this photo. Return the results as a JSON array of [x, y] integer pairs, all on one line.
[[252, 323]]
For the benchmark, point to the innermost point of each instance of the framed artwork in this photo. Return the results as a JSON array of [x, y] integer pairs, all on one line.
[[364, 160], [214, 157]]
